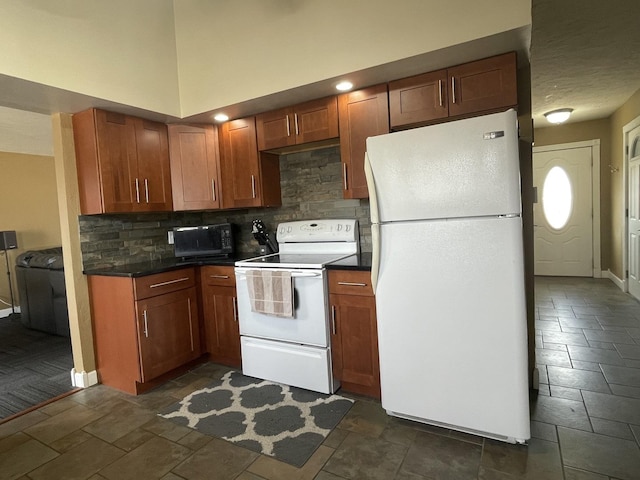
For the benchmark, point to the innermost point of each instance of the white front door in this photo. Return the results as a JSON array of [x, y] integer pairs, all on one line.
[[563, 219], [634, 212]]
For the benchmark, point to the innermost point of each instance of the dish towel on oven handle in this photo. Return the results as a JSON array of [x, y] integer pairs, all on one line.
[[271, 292]]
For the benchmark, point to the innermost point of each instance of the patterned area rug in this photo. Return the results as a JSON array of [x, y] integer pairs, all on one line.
[[284, 422]]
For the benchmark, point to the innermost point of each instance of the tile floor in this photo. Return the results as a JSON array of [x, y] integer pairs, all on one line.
[[585, 419]]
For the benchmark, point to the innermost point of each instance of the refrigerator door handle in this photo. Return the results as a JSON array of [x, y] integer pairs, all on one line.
[[371, 185], [375, 255], [375, 220]]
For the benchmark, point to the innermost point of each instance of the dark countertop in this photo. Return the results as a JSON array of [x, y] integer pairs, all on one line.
[[361, 261]]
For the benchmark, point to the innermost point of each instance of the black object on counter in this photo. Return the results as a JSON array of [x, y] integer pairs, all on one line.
[[259, 232]]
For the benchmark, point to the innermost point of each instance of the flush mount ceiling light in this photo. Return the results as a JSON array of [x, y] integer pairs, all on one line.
[[221, 117], [558, 116], [344, 86]]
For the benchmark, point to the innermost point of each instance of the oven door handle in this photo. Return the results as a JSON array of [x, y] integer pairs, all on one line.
[[294, 274]]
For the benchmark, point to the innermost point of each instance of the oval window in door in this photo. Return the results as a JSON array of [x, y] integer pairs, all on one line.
[[557, 198]]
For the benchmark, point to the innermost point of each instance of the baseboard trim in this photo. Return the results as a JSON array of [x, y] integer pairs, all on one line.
[[84, 379], [5, 312], [621, 284]]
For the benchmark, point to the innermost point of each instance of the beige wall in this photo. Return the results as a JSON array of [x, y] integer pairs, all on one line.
[[28, 205], [119, 50], [625, 114], [229, 52], [214, 53]]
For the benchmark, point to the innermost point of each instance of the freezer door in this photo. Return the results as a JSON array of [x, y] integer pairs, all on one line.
[[452, 324], [465, 168]]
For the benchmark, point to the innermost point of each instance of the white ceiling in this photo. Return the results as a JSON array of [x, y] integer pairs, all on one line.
[[585, 55]]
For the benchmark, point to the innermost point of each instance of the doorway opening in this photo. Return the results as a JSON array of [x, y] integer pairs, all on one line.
[[566, 211], [631, 241]]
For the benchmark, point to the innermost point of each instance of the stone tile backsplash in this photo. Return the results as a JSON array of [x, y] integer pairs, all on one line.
[[311, 185]]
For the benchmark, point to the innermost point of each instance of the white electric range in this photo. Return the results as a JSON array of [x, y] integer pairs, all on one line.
[[295, 350]]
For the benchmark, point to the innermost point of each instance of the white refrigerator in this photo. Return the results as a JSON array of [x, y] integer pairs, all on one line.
[[448, 275]]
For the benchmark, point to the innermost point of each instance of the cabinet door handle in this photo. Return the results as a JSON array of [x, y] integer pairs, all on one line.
[[344, 176], [288, 127], [295, 117], [137, 191], [146, 327], [453, 89], [333, 319], [219, 276], [169, 282], [440, 91], [253, 186], [213, 189], [146, 189], [352, 284], [190, 325], [235, 309]]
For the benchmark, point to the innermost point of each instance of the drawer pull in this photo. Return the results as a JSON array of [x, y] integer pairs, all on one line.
[[333, 319], [235, 309], [162, 284], [224, 277], [146, 327], [352, 284]]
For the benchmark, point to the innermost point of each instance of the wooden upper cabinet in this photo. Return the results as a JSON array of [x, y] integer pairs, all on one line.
[[483, 86], [195, 167], [363, 113], [308, 122], [122, 163], [249, 179], [153, 167], [418, 99]]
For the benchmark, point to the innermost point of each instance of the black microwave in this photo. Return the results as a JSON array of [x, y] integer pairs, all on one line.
[[202, 241]]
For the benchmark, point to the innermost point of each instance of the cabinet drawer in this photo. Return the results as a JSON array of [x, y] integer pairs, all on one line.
[[218, 275], [350, 282], [161, 283]]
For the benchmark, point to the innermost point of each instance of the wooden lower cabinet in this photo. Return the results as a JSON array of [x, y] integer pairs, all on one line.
[[145, 328], [220, 313], [354, 333]]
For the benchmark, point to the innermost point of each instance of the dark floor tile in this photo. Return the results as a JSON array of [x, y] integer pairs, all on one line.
[[123, 418], [551, 357], [564, 392], [591, 366], [544, 431], [537, 460], [153, 459], [584, 323], [625, 391], [271, 469], [79, 462], [581, 379], [595, 355], [63, 424], [600, 454], [366, 417], [575, 474], [608, 336], [564, 338], [230, 461], [548, 325], [367, 458], [618, 321], [612, 407], [445, 458], [23, 458], [560, 411], [611, 428], [622, 375], [628, 351]]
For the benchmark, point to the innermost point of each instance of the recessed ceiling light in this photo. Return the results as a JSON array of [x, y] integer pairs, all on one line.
[[221, 117], [558, 116], [344, 86]]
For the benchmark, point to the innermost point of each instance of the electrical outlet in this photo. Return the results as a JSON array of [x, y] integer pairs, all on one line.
[[170, 237]]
